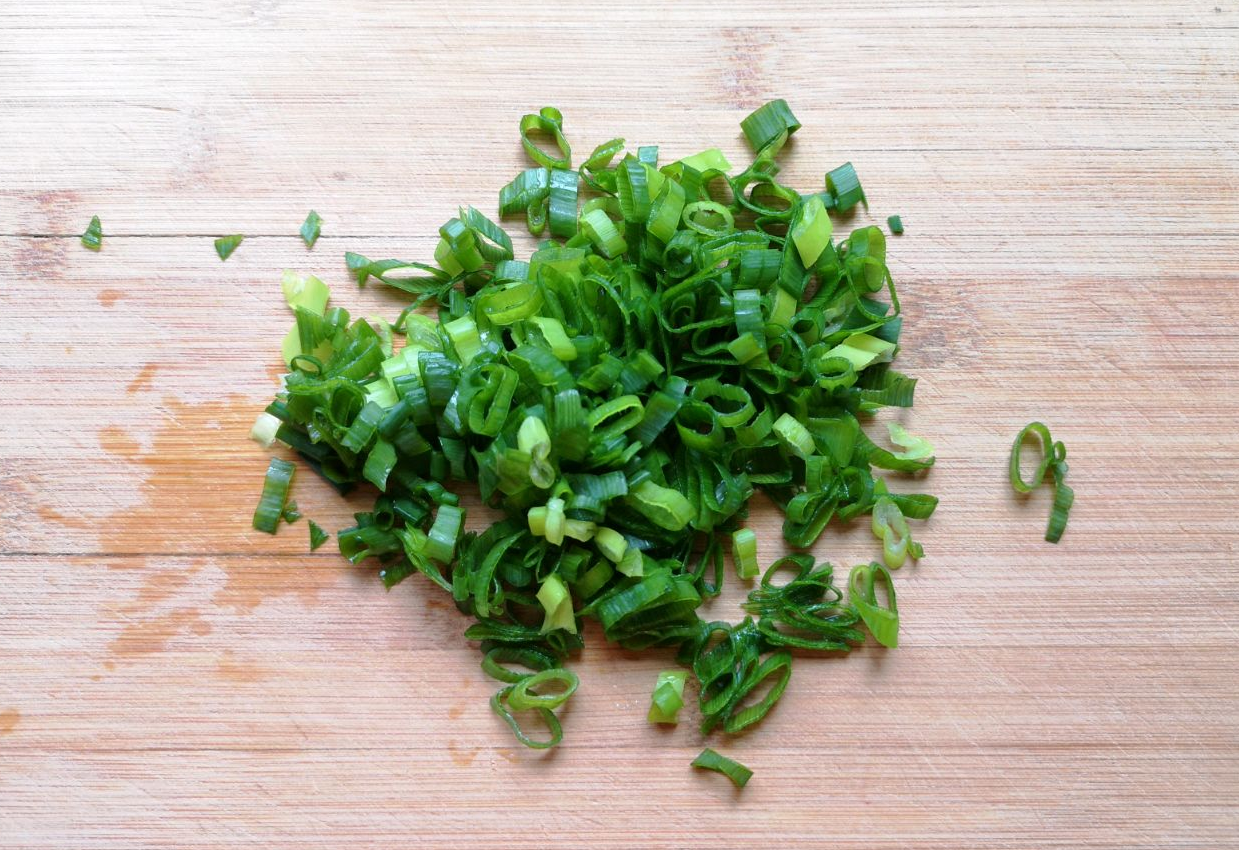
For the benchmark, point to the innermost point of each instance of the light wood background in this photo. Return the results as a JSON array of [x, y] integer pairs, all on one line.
[[1068, 176]]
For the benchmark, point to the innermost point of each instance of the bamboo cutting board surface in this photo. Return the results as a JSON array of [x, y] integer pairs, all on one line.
[[1067, 173]]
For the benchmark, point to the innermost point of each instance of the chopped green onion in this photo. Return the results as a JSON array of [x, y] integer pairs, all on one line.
[[744, 552], [890, 526], [602, 232], [445, 532], [305, 291], [708, 160], [733, 770], [768, 122], [274, 493], [463, 333], [687, 336], [794, 436], [632, 564], [534, 658], [310, 229], [547, 122], [317, 536], [93, 237], [668, 697], [379, 463], [264, 430], [863, 350], [812, 230], [914, 448], [883, 623], [1054, 460], [844, 187], [663, 506], [562, 208], [522, 697], [499, 704], [895, 223], [611, 544], [557, 603], [225, 245]]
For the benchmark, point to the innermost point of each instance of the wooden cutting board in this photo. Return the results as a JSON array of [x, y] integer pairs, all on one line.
[[1068, 177]]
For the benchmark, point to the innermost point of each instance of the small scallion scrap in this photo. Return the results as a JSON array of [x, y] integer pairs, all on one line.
[[733, 770], [317, 536], [311, 228], [225, 245], [668, 697], [93, 237]]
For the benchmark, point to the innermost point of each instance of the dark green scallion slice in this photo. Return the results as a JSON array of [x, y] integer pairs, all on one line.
[[733, 770], [93, 237], [275, 488], [317, 536], [225, 245], [311, 228]]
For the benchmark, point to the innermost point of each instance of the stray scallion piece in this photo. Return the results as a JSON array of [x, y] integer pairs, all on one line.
[[317, 536], [291, 513], [310, 229], [768, 122], [93, 237], [691, 333], [895, 223], [264, 430], [1053, 460], [844, 187], [274, 493], [733, 770], [225, 245], [668, 697]]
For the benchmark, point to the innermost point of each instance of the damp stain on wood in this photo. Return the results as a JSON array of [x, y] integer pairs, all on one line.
[[461, 756], [233, 669], [143, 380], [117, 441], [9, 718], [152, 635], [196, 453], [109, 297]]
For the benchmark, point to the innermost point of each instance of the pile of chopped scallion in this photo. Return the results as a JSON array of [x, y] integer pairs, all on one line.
[[687, 334]]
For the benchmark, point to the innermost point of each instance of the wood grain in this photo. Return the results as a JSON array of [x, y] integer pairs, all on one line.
[[1069, 178]]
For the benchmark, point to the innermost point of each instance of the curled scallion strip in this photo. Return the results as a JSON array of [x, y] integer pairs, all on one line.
[[883, 623], [523, 696], [532, 657], [500, 705], [549, 121], [1053, 460]]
